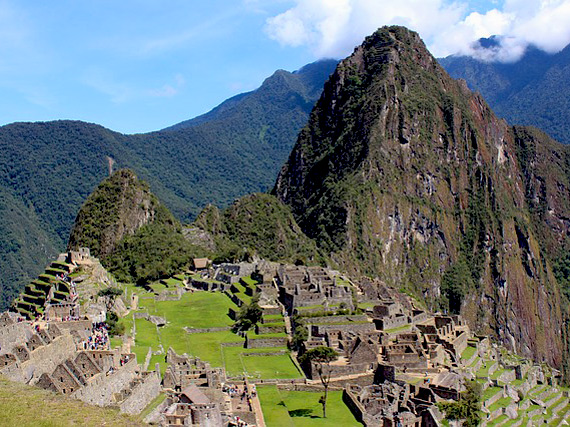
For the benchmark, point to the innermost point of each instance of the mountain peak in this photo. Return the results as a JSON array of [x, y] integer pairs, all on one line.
[[404, 174]]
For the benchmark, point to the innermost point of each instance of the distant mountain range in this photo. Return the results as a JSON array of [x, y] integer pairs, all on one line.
[[48, 169], [534, 90]]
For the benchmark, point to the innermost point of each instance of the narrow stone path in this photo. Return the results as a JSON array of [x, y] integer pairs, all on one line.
[[259, 420]]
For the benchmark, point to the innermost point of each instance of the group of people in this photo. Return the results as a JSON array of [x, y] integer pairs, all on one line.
[[237, 421], [124, 359], [70, 318], [245, 394], [99, 338]]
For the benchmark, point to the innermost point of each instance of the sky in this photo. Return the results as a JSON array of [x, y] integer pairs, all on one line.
[[138, 66]]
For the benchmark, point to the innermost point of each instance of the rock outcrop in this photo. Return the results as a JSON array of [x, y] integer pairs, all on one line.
[[405, 174], [119, 206]]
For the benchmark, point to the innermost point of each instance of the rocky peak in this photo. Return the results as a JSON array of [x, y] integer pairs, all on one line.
[[404, 174], [118, 207]]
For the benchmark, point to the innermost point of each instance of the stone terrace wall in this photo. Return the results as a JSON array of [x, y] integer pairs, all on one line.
[[14, 334], [45, 358], [100, 389], [265, 342], [142, 395]]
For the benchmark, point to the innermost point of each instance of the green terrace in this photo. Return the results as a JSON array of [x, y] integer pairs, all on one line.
[[222, 348], [282, 408], [270, 318]]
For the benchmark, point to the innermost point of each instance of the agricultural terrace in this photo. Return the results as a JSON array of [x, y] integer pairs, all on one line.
[[222, 348], [282, 408]]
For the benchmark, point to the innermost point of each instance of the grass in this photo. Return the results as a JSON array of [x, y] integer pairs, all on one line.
[[22, 405], [503, 402], [208, 346], [157, 401], [264, 336], [157, 358], [278, 366], [398, 329], [249, 281], [206, 310], [468, 353], [365, 305], [197, 310], [283, 408], [116, 342], [490, 392]]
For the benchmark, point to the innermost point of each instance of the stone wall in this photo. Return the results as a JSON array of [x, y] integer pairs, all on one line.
[[320, 330], [142, 395], [100, 389], [336, 319], [391, 322], [45, 358], [351, 401], [265, 342], [342, 370], [14, 334]]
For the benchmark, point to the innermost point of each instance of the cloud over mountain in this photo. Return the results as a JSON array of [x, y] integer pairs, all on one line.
[[332, 28]]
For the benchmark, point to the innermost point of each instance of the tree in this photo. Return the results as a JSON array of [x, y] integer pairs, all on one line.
[[467, 407], [301, 333], [109, 294], [322, 357], [249, 315]]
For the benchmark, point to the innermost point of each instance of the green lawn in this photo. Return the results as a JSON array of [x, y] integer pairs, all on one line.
[[204, 310], [468, 353], [196, 310], [265, 367], [300, 408], [115, 342]]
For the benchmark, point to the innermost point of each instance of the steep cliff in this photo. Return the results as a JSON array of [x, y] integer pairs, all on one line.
[[404, 174]]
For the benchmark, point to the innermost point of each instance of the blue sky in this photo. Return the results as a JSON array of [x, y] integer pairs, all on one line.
[[138, 66]]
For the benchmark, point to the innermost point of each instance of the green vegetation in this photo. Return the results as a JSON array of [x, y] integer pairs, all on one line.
[[248, 316], [532, 91], [321, 357], [50, 168], [467, 408], [283, 408], [205, 310], [22, 405], [240, 361]]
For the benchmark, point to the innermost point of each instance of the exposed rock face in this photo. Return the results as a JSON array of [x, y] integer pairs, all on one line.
[[118, 207], [405, 174]]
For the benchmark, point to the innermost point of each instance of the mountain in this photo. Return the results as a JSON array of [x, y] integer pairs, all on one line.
[[531, 91], [257, 225], [118, 208], [134, 235], [403, 173], [49, 169]]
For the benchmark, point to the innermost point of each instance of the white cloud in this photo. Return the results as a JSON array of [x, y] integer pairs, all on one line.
[[331, 28]]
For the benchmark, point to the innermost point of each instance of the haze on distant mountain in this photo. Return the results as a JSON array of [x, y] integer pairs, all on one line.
[[534, 90]]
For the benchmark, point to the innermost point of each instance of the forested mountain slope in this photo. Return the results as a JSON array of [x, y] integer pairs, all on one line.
[[49, 169], [535, 90]]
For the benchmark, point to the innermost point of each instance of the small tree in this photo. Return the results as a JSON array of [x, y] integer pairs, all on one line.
[[249, 315], [467, 407], [322, 357], [110, 295]]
